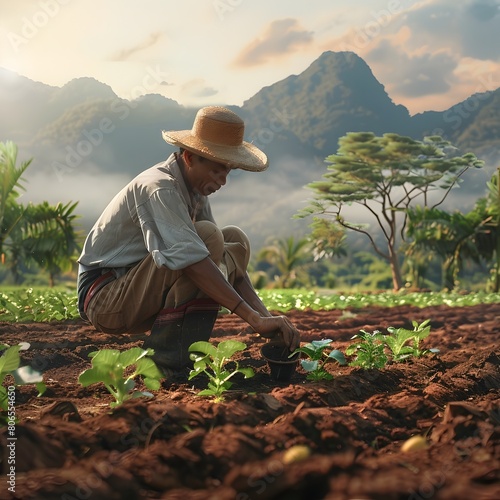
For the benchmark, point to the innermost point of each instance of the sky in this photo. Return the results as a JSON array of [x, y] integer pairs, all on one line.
[[429, 54]]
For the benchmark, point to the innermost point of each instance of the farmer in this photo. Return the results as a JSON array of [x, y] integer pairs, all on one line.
[[155, 259]]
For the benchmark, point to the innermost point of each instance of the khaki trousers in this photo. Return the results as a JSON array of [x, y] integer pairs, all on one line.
[[131, 303]]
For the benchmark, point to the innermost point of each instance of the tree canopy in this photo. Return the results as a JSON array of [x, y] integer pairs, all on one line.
[[385, 175]]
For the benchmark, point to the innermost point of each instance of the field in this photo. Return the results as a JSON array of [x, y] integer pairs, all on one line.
[[177, 445]]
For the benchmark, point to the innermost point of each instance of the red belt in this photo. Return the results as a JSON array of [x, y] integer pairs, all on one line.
[[103, 280]]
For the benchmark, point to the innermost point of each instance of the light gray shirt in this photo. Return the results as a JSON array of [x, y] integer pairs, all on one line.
[[153, 214]]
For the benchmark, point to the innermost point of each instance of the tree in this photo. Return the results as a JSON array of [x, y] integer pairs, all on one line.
[[50, 239], [453, 237], [384, 175], [456, 237], [288, 256], [10, 182], [327, 239], [43, 234], [491, 244]]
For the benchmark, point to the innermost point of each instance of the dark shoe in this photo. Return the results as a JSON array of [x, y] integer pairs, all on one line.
[[174, 330]]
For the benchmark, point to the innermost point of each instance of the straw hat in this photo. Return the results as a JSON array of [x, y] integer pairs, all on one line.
[[217, 134]]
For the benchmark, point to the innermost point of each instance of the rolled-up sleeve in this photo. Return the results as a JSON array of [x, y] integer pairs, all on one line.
[[169, 234]]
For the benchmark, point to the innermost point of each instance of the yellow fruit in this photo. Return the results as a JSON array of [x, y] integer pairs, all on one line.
[[296, 453], [414, 443]]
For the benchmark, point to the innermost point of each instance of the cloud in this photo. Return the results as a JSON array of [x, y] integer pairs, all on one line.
[[469, 29], [197, 88], [431, 54], [279, 38], [125, 54], [413, 75]]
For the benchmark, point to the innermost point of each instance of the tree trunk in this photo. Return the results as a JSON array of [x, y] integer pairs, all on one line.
[[397, 280]]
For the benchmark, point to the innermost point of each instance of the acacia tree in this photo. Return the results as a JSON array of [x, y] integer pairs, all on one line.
[[41, 233], [384, 176]]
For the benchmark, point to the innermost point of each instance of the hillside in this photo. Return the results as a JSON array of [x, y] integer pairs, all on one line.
[[87, 142]]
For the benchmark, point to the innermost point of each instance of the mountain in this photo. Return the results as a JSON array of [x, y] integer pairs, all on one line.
[[87, 142], [336, 94]]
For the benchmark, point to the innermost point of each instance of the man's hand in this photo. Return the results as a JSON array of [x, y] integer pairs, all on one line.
[[279, 328]]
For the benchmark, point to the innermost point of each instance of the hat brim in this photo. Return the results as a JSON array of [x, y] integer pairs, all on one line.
[[245, 156]]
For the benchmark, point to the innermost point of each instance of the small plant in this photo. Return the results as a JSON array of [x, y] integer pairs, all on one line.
[[213, 362], [315, 365], [109, 366], [24, 375], [398, 340], [369, 350]]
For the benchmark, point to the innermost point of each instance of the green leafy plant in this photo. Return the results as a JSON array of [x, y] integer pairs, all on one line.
[[22, 375], [318, 357], [369, 350], [23, 305], [110, 367], [399, 338], [215, 363]]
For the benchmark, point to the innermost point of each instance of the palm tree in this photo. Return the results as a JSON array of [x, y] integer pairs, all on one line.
[[454, 237], [288, 257], [488, 242], [42, 234], [10, 182], [50, 239]]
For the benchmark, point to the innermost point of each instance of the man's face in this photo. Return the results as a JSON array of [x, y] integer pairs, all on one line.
[[204, 176]]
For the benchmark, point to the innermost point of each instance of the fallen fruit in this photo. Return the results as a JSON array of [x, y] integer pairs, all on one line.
[[296, 453], [414, 443]]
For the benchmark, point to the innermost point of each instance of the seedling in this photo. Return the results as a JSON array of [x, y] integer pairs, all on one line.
[[213, 362], [369, 350], [22, 375], [398, 340], [315, 365], [109, 367]]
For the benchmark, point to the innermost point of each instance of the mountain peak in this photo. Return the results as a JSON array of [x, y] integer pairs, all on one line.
[[336, 94], [87, 88]]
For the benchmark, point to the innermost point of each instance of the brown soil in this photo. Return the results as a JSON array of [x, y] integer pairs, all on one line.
[[70, 445]]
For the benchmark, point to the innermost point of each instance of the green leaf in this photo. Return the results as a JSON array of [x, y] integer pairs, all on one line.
[[147, 367], [41, 387], [95, 375], [227, 348], [247, 372], [203, 347], [10, 359], [207, 392], [338, 356], [352, 349], [312, 353], [105, 357], [152, 383], [320, 344], [309, 366], [131, 356]]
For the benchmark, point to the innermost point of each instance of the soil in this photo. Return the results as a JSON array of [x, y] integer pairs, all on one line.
[[177, 445]]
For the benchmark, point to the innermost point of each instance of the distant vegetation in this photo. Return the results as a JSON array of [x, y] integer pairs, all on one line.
[[57, 305], [32, 235]]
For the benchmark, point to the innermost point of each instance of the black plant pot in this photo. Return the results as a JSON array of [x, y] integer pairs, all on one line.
[[282, 367]]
